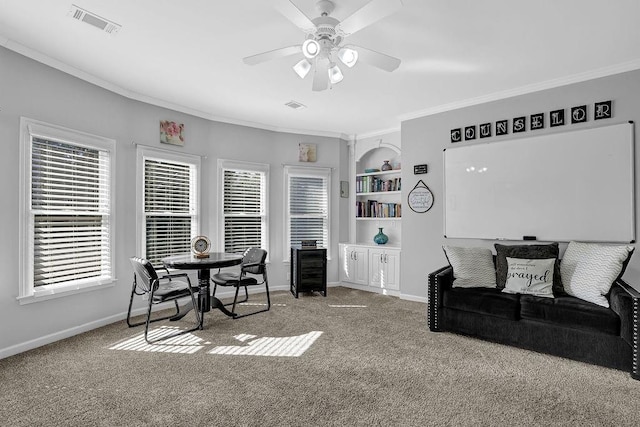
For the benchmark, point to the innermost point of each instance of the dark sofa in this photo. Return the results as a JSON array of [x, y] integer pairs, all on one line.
[[563, 326]]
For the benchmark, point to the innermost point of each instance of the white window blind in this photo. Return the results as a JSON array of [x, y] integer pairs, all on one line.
[[70, 208], [308, 205], [66, 204], [244, 205], [170, 207]]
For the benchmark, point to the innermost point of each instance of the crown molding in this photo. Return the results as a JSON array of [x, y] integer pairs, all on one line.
[[496, 96], [523, 90], [111, 87]]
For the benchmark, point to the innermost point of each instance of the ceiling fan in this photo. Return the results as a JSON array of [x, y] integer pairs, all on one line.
[[323, 41]]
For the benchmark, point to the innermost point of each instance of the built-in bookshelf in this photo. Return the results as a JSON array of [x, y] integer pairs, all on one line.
[[378, 195]]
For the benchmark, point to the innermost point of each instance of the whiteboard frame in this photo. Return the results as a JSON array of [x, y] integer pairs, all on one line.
[[621, 228]]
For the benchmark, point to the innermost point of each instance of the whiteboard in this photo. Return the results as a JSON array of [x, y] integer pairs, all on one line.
[[576, 185]]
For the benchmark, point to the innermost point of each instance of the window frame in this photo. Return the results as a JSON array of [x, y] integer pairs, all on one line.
[[309, 172], [237, 165], [143, 153], [27, 292]]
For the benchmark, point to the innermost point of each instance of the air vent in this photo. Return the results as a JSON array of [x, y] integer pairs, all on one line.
[[295, 105], [94, 20]]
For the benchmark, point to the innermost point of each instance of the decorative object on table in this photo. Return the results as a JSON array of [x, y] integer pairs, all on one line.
[[380, 238], [371, 170], [171, 133], [200, 246], [386, 166], [307, 152], [308, 243], [420, 198]]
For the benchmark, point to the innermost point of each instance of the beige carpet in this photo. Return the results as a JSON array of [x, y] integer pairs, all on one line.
[[363, 359]]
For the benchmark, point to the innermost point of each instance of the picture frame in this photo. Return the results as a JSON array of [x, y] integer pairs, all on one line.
[[307, 152], [171, 133]]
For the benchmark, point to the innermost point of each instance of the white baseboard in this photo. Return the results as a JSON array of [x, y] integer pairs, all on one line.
[[60, 335], [86, 327], [415, 298]]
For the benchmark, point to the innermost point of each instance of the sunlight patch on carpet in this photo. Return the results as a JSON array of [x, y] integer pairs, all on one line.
[[347, 306], [261, 304], [187, 343], [269, 346]]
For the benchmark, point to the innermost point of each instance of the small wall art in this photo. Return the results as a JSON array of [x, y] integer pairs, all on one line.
[[307, 152], [171, 133]]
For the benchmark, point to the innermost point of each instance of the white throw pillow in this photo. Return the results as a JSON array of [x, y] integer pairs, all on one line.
[[589, 269], [530, 276], [472, 267]]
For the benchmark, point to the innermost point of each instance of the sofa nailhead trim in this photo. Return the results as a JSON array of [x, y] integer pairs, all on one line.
[[635, 366]]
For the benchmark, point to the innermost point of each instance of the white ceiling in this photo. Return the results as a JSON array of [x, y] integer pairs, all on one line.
[[187, 55]]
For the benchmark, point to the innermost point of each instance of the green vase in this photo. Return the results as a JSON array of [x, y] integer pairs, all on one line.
[[380, 238]]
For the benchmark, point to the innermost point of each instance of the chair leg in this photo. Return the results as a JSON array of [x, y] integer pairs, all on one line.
[[199, 322], [266, 285], [246, 296], [133, 293]]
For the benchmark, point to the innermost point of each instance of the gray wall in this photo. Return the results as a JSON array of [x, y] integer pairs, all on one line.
[[30, 89], [423, 140]]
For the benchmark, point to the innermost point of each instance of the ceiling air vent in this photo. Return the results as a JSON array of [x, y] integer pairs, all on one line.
[[295, 105], [94, 20]]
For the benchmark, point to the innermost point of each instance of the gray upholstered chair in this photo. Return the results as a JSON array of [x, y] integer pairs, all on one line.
[[159, 290], [253, 271]]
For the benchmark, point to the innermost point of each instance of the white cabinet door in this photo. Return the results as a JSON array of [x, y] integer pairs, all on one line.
[[353, 264], [392, 270], [344, 267], [384, 268], [360, 266]]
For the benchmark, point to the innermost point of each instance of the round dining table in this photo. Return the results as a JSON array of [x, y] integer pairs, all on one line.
[[188, 261]]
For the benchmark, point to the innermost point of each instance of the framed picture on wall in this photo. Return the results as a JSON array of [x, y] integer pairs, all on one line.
[[171, 133], [307, 152]]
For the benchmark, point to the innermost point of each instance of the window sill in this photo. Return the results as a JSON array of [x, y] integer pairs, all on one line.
[[48, 294]]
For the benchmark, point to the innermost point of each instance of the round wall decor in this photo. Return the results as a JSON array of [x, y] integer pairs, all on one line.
[[420, 198]]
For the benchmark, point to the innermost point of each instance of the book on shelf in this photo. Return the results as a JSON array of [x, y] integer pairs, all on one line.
[[374, 184], [375, 209]]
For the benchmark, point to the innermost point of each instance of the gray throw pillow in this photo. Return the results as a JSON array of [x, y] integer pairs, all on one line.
[[472, 267], [589, 269], [547, 251]]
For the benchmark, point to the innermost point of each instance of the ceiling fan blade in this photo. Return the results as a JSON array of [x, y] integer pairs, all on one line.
[[295, 15], [272, 54], [321, 75], [377, 59], [368, 14]]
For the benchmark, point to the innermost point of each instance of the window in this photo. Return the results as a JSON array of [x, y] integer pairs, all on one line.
[[307, 205], [243, 190], [169, 202], [66, 210]]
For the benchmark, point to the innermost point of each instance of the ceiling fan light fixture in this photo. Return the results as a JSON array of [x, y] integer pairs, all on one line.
[[348, 56], [310, 48], [335, 74], [302, 68]]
